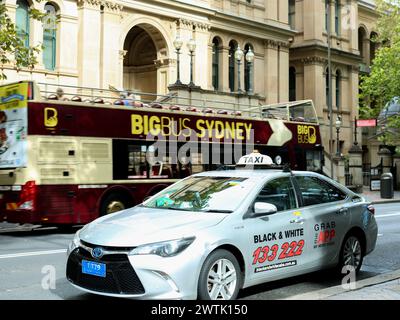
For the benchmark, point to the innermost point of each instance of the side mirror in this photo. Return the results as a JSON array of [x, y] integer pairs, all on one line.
[[263, 208]]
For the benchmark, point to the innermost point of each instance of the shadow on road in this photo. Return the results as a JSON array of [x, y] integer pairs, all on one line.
[[315, 281]]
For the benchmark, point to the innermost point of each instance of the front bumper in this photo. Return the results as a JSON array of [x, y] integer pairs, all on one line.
[[139, 276]]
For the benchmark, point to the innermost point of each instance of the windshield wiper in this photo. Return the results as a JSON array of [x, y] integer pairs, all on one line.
[[217, 211]]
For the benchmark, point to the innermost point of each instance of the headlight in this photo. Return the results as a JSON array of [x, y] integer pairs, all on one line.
[[74, 243], [164, 249]]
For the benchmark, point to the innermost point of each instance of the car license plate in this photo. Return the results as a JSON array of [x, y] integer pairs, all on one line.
[[94, 268]]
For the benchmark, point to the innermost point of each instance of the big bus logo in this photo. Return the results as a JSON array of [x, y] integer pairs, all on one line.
[[50, 117], [306, 134]]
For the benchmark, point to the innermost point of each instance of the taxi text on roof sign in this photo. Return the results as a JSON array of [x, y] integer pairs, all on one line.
[[255, 158]]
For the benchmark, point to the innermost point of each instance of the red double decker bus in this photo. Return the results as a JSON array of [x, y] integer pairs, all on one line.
[[68, 161]]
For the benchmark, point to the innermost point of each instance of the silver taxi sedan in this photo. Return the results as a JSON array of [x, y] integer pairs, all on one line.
[[214, 233]]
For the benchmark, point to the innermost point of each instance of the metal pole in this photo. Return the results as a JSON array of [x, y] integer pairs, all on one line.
[[191, 84], [355, 131], [250, 75], [239, 88], [178, 73], [330, 85], [337, 144]]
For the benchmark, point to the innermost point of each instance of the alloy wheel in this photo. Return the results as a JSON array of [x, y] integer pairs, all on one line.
[[222, 280]]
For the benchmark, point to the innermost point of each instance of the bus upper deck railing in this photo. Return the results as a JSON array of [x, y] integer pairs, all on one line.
[[297, 111]]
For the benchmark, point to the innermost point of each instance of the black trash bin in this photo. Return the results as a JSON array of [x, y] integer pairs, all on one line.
[[387, 186]]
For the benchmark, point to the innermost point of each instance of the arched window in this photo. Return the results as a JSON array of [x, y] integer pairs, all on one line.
[[22, 21], [215, 63], [248, 68], [338, 88], [49, 37], [327, 86], [337, 17], [292, 84], [232, 48]]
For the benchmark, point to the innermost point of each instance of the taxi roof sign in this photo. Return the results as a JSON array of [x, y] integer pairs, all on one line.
[[255, 158]]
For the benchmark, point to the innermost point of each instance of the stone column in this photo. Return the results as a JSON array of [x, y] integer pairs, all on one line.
[[271, 71], [355, 167], [366, 50], [313, 23], [201, 61], [283, 72], [283, 11], [224, 69], [11, 6], [163, 80], [89, 43], [36, 35], [185, 28], [314, 83], [340, 170], [109, 73], [271, 9], [67, 44]]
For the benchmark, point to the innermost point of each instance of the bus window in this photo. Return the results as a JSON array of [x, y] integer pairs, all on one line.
[[137, 168], [129, 160]]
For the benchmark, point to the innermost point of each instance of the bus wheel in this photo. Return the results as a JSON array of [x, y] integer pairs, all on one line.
[[112, 203]]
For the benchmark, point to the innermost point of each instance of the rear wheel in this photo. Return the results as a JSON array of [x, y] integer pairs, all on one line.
[[114, 202], [351, 254], [220, 277]]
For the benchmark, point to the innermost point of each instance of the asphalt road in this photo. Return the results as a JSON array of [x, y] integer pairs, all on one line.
[[32, 265]]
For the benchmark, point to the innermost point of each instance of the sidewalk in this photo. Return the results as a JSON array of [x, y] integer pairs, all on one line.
[[381, 287], [375, 196]]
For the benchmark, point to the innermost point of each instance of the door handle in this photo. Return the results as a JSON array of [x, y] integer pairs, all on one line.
[[298, 220], [342, 211]]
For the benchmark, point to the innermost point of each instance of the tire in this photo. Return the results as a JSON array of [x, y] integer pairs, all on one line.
[[222, 268], [114, 202], [351, 254]]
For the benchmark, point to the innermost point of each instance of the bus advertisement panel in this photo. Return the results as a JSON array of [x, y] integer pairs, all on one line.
[[13, 125]]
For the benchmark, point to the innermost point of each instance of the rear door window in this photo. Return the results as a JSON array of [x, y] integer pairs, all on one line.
[[316, 191]]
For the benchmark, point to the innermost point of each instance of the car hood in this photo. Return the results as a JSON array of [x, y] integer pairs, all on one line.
[[139, 225]]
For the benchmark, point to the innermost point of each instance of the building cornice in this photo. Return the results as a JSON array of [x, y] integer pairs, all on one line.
[[109, 5]]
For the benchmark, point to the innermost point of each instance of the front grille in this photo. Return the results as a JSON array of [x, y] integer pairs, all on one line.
[[90, 245], [120, 278]]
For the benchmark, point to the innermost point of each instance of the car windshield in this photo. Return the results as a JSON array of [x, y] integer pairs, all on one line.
[[203, 194]]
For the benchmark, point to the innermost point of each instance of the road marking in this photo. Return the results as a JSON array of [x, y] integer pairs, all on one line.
[[28, 254], [387, 215]]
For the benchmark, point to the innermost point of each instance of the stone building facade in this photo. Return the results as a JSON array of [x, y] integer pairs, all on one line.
[[130, 44]]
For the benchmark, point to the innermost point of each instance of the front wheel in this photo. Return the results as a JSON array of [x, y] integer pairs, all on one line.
[[114, 202], [220, 277], [351, 254]]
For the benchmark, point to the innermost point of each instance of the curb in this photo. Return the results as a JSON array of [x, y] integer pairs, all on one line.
[[337, 290], [385, 201]]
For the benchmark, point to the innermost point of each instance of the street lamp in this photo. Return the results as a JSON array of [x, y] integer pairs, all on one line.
[[338, 124], [250, 59], [178, 45], [192, 47], [238, 56]]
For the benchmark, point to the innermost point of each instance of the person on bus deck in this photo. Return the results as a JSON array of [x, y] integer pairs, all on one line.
[[60, 94], [127, 98]]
